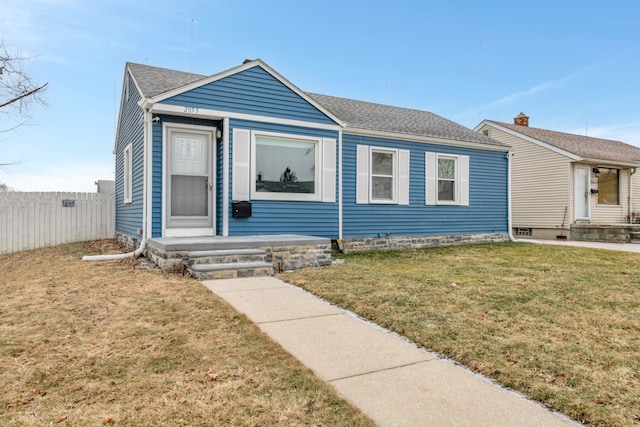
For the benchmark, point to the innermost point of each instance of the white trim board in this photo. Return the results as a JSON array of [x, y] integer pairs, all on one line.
[[205, 113], [246, 66]]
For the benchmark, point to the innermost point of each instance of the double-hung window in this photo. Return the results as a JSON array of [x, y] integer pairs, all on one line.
[[447, 179], [382, 175]]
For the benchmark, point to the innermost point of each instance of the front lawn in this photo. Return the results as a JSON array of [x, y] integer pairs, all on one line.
[[560, 324], [112, 343]]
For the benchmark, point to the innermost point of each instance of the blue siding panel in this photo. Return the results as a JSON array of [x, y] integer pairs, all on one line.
[[486, 213], [283, 217], [253, 91], [131, 131]]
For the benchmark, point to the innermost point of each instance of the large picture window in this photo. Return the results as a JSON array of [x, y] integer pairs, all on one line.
[[609, 186], [281, 166], [286, 167]]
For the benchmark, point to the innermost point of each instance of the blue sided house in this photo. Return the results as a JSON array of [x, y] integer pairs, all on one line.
[[243, 162]]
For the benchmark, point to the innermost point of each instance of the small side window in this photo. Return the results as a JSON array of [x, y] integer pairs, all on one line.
[[128, 174]]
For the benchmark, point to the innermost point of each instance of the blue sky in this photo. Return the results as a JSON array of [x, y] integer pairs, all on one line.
[[572, 66]]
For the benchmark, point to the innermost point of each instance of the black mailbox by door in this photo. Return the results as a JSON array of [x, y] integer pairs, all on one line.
[[241, 209]]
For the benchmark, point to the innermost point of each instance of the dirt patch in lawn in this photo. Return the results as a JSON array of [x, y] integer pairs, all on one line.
[[113, 343]]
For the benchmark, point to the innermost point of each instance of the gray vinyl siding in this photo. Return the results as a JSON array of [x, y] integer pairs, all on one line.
[[486, 213], [253, 91], [635, 192], [130, 131], [284, 217]]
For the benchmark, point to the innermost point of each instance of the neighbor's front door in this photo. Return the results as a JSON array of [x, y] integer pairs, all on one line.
[[189, 185], [582, 183]]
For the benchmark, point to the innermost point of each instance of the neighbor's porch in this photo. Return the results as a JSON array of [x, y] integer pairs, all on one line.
[[238, 256]]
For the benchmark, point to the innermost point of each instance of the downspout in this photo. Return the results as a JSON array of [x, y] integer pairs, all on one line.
[[225, 177], [509, 220], [340, 185], [632, 171], [509, 207], [146, 191]]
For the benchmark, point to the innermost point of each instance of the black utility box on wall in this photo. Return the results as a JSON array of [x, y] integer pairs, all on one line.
[[241, 209]]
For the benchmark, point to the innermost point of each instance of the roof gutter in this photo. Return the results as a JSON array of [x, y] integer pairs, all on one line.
[[604, 163]]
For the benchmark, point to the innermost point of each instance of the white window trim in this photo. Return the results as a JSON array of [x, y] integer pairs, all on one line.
[[394, 185], [127, 172], [402, 161], [317, 194], [461, 195], [456, 180]]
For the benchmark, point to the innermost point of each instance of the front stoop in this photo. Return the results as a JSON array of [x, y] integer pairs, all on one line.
[[238, 256], [227, 264]]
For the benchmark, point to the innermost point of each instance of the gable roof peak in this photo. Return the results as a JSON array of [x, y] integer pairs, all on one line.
[[586, 147]]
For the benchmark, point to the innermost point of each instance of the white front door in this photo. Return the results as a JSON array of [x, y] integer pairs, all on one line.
[[582, 183], [189, 181]]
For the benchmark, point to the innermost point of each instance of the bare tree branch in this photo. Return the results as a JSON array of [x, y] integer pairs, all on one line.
[[18, 92], [31, 92]]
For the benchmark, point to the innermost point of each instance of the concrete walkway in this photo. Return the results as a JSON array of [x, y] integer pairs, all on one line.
[[624, 247], [388, 378]]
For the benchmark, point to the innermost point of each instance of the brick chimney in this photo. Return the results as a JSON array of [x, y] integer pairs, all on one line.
[[521, 120]]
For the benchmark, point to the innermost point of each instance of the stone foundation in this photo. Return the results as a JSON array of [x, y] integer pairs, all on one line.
[[126, 240], [289, 252], [415, 242], [286, 258], [620, 233]]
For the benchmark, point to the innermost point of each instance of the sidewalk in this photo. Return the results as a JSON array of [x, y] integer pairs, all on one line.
[[388, 378], [624, 247]]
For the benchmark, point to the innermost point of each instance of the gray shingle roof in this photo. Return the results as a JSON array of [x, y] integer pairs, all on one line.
[[154, 81], [584, 146], [386, 118]]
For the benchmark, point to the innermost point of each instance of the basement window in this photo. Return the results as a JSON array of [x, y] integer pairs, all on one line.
[[524, 232]]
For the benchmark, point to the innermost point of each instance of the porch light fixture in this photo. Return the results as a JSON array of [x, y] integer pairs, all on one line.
[[596, 172]]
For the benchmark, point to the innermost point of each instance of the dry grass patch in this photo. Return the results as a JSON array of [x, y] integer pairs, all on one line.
[[559, 324], [112, 343]]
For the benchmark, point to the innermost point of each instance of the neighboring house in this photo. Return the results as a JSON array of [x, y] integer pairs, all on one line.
[[105, 186], [246, 153], [566, 185]]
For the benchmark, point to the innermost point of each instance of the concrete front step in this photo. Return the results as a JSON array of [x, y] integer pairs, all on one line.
[[230, 270], [635, 236], [226, 256]]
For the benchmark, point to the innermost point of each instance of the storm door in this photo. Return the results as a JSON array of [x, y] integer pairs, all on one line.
[[581, 186], [189, 182]]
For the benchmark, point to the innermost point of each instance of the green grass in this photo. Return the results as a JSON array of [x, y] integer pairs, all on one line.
[[559, 324]]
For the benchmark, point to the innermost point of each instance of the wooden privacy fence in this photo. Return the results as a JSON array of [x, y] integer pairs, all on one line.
[[36, 220]]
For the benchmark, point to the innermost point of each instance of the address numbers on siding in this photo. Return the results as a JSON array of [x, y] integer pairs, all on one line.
[[193, 110]]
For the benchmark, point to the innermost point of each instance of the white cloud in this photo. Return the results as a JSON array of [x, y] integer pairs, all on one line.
[[65, 178]]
